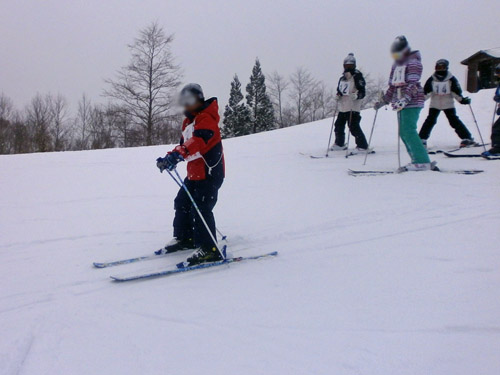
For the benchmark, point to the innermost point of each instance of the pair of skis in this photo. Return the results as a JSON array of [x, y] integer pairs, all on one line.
[[352, 153], [172, 271], [379, 173]]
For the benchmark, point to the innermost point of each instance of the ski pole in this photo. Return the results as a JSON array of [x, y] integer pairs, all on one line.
[[223, 237], [348, 135], [494, 114], [399, 139], [331, 130], [330, 138], [399, 130], [198, 211], [477, 126], [371, 135]]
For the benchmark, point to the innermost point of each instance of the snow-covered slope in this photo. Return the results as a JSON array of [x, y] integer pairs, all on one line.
[[394, 274]]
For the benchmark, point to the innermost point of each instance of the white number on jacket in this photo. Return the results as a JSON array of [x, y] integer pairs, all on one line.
[[345, 87], [441, 88], [399, 76]]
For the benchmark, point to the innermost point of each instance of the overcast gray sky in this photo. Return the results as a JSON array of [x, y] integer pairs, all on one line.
[[70, 46]]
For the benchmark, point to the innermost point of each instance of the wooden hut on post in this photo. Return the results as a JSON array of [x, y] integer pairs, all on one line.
[[480, 69]]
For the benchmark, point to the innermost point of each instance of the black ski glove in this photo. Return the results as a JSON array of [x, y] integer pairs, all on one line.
[[465, 100]]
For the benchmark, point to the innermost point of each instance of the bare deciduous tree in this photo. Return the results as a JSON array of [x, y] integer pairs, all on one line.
[[145, 86], [277, 87], [6, 114], [58, 115], [21, 141], [302, 85], [124, 133], [373, 89], [38, 120], [82, 122], [322, 102], [101, 128], [6, 107]]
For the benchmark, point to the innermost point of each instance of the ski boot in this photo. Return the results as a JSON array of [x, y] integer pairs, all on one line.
[[494, 151], [417, 167], [204, 254], [177, 245], [360, 150], [336, 147], [468, 142]]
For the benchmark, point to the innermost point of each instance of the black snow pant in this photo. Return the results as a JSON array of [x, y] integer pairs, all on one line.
[[455, 123], [353, 120], [187, 222], [495, 135]]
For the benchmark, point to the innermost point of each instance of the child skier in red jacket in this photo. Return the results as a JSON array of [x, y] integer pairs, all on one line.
[[201, 147]]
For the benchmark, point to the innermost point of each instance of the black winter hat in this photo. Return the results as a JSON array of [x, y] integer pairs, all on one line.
[[442, 63], [190, 94], [400, 44], [194, 89]]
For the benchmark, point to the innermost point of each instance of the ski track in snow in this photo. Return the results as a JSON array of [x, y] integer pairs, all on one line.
[[398, 274]]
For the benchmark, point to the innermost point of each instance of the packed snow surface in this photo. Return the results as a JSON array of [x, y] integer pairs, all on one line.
[[395, 274]]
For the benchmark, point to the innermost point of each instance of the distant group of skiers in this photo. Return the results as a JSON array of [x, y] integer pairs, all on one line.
[[407, 96], [201, 144]]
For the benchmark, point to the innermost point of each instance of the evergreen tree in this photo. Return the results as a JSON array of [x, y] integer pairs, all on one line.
[[237, 120], [258, 101]]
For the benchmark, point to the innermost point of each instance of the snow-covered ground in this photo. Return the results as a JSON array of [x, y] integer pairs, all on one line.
[[396, 274]]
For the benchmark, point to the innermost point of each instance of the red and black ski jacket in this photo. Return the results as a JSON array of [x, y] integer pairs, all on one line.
[[201, 143]]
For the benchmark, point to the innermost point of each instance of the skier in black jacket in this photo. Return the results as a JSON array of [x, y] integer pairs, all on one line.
[[443, 88], [350, 93], [495, 132]]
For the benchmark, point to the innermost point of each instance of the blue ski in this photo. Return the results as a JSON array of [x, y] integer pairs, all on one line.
[[192, 268]]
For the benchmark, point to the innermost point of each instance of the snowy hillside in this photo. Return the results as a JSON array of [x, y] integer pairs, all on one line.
[[396, 274]]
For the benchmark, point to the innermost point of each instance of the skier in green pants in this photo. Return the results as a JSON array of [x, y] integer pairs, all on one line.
[[406, 96]]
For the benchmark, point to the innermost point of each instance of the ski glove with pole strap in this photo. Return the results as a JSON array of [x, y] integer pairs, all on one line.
[[169, 162], [399, 105], [465, 100]]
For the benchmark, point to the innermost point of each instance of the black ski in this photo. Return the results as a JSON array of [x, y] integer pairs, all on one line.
[[488, 157], [434, 152], [450, 155], [378, 173], [352, 153], [491, 157]]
